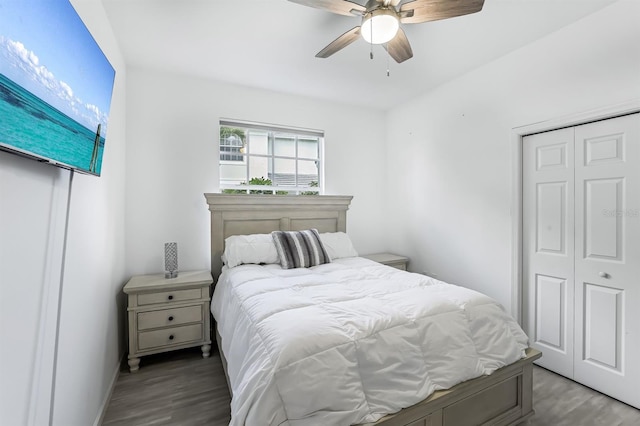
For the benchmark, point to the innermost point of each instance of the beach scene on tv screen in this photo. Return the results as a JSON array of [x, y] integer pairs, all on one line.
[[55, 84]]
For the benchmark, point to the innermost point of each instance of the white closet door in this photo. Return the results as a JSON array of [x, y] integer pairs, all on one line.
[[548, 251], [607, 257]]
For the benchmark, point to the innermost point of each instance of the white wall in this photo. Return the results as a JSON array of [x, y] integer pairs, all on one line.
[[454, 142], [172, 136], [92, 321], [33, 211]]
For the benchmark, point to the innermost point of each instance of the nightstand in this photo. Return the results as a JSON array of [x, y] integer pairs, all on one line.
[[166, 314], [398, 262]]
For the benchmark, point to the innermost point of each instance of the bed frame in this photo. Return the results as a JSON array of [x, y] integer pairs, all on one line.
[[503, 398]]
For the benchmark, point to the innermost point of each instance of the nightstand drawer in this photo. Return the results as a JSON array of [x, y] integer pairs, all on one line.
[[169, 317], [169, 296], [398, 265], [169, 336]]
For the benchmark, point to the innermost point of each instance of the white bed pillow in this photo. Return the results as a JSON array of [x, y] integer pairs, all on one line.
[[254, 248], [338, 245]]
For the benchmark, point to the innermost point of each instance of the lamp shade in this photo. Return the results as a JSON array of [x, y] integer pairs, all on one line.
[[379, 26]]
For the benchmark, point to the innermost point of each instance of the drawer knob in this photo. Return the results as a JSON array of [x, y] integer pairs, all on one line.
[[170, 297], [171, 337], [604, 275], [171, 318]]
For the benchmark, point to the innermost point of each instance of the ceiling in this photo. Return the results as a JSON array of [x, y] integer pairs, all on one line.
[[271, 44]]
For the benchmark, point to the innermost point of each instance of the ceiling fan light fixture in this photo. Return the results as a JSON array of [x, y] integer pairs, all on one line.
[[379, 26]]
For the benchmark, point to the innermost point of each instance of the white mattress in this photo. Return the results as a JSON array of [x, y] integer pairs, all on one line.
[[351, 341]]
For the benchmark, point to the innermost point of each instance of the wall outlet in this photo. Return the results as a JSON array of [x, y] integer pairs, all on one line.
[[429, 274]]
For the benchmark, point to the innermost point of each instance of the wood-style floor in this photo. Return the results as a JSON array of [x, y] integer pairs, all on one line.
[[175, 388], [183, 389]]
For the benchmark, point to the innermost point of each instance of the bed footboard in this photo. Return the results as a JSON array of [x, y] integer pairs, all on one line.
[[503, 398]]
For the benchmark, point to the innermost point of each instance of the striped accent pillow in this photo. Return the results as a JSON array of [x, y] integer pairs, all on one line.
[[300, 249]]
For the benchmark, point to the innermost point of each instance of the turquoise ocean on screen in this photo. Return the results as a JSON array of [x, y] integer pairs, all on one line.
[[32, 125]]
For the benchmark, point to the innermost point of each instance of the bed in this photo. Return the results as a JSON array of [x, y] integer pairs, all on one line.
[[502, 398]]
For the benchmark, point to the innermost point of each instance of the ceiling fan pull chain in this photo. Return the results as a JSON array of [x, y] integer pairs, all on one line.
[[388, 60], [371, 44]]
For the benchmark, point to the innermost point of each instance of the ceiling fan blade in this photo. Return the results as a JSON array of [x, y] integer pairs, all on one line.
[[433, 10], [341, 7], [399, 48], [340, 43]]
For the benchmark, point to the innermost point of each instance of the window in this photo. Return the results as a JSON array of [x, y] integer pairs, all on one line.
[[231, 144], [265, 159]]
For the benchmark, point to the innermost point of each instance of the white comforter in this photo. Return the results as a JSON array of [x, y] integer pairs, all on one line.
[[351, 341]]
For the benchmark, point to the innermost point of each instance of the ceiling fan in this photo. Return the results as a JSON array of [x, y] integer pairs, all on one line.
[[381, 21]]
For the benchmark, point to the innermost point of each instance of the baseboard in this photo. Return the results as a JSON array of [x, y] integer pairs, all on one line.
[[103, 408]]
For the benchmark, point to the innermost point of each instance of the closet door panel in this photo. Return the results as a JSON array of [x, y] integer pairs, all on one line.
[[550, 305], [548, 239], [607, 257], [603, 199], [603, 326]]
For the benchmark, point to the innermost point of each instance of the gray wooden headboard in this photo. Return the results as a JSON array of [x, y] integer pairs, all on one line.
[[243, 214]]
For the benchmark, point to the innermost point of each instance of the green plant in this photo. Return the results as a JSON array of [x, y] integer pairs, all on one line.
[[313, 184], [266, 181], [255, 181]]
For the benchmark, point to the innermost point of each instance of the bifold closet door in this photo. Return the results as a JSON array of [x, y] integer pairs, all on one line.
[[581, 253], [607, 257], [548, 251]]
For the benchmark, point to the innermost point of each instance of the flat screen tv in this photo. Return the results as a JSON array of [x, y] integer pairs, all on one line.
[[55, 85]]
